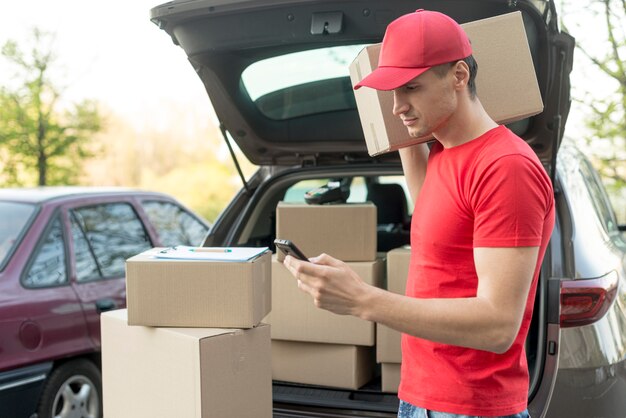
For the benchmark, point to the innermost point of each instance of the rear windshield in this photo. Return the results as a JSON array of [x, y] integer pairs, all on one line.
[[302, 83], [13, 222]]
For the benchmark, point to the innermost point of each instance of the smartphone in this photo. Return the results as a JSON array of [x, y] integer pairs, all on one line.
[[289, 248]]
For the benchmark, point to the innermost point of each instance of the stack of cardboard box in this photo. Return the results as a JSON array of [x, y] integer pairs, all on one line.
[[190, 343], [311, 345], [388, 352]]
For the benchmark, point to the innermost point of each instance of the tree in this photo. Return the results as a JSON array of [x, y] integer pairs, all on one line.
[[40, 142], [185, 157], [604, 48]]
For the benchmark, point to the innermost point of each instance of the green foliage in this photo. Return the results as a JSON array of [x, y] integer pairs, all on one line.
[[204, 188], [40, 142], [184, 158], [605, 50]]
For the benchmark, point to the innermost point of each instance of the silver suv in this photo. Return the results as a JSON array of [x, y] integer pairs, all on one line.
[[277, 74]]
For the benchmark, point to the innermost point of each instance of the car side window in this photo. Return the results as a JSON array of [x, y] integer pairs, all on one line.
[[358, 189], [87, 267], [295, 194], [599, 197], [105, 236], [174, 225], [49, 266]]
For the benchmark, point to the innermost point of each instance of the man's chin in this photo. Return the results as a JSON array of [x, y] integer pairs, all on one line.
[[419, 133]]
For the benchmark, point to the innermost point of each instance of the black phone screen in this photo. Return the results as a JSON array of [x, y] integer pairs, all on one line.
[[289, 248]]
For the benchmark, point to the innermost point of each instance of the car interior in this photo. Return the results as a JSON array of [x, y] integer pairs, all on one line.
[[394, 208]]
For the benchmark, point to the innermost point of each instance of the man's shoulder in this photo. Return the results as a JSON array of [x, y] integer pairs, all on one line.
[[506, 143]]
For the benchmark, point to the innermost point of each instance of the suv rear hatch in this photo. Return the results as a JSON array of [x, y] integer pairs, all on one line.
[[284, 110]]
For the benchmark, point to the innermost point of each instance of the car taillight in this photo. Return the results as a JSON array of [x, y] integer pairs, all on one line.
[[583, 302]]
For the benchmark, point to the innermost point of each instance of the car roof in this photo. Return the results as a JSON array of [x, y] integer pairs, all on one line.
[[50, 193]]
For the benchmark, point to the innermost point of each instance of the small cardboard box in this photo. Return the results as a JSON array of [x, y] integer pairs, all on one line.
[[506, 82], [388, 345], [346, 232], [184, 372], [388, 341], [193, 293], [398, 261], [295, 317], [390, 377], [333, 365]]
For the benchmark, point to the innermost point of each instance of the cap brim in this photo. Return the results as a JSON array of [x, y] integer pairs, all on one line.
[[390, 78]]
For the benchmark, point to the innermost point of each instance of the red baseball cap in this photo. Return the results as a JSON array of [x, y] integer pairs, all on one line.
[[414, 43]]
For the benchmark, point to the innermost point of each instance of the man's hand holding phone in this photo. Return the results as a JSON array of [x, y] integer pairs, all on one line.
[[332, 284], [289, 248]]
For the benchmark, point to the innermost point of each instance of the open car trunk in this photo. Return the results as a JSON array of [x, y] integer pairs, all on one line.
[[267, 67], [256, 227]]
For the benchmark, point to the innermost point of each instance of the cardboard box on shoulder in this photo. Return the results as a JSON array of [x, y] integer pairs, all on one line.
[[388, 341], [197, 293], [184, 372], [344, 231], [332, 365], [506, 82], [294, 316]]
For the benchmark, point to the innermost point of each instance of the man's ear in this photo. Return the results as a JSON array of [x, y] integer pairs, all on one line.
[[461, 74]]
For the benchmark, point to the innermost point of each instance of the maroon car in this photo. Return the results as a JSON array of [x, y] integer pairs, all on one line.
[[62, 255]]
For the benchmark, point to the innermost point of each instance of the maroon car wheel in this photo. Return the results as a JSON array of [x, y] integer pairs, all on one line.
[[74, 389]]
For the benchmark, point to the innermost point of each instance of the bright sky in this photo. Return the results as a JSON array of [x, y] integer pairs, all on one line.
[[111, 52]]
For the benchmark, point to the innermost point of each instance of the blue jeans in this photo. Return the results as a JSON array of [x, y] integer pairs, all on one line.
[[407, 410]]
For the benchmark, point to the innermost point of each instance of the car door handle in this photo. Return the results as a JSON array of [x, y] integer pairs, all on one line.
[[103, 305]]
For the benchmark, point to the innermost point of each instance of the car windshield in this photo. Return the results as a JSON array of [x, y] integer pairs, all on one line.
[[13, 221], [302, 83]]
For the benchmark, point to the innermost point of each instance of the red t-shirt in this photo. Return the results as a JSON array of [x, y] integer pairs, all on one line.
[[489, 192]]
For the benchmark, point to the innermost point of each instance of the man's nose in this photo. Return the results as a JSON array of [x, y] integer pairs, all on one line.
[[400, 105]]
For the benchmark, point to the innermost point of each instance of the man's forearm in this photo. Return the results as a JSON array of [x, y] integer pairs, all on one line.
[[466, 322]]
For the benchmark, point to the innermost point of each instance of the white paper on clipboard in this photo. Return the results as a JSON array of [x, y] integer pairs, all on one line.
[[234, 254]]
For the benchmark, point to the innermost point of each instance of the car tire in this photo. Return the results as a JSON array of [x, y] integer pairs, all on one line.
[[73, 389]]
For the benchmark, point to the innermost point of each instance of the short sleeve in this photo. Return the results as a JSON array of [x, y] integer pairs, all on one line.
[[511, 203]]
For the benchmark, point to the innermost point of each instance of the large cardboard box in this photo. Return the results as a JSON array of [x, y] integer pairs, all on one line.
[[184, 372], [346, 232], [506, 82], [333, 365], [193, 293], [388, 341], [390, 377], [295, 317]]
